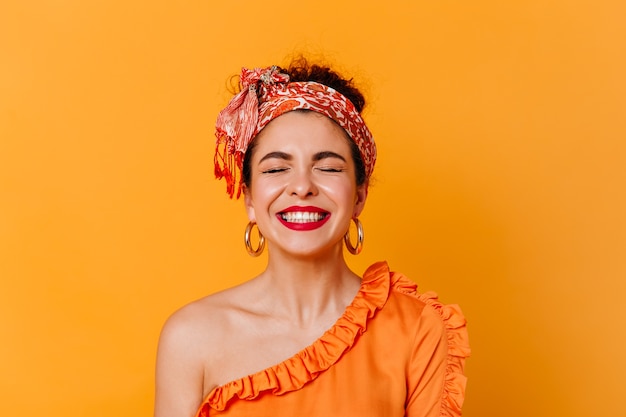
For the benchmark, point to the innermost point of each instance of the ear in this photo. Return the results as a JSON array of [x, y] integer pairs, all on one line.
[[361, 196], [249, 204]]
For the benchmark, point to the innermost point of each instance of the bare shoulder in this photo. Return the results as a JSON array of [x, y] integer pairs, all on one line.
[[192, 344], [200, 324], [207, 328]]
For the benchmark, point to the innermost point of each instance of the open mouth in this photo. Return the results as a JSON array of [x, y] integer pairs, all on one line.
[[302, 217]]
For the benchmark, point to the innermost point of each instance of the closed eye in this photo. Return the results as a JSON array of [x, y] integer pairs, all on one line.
[[273, 170]]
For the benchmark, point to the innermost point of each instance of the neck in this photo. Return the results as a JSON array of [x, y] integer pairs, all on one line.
[[304, 288]]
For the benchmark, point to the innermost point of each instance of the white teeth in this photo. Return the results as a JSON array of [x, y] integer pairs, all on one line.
[[302, 217]]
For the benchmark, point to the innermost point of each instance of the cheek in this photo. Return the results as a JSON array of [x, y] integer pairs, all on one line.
[[343, 192], [263, 191]]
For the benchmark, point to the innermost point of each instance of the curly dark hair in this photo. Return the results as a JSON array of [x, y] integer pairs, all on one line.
[[301, 70]]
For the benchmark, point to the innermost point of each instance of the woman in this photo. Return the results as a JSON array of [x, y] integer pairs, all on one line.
[[307, 337]]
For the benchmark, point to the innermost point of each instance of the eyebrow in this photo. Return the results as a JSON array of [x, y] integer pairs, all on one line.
[[277, 155], [327, 154], [317, 157]]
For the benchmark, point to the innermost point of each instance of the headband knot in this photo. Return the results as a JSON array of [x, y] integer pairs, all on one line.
[[266, 94], [267, 76]]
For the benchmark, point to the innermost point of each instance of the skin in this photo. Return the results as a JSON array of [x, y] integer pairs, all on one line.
[[301, 159]]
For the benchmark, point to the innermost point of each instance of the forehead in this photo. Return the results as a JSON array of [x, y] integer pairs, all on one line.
[[302, 131]]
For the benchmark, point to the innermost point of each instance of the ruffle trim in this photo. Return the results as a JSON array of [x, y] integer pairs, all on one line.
[[305, 366], [458, 344]]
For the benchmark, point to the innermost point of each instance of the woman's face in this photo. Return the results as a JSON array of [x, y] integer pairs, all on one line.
[[303, 192]]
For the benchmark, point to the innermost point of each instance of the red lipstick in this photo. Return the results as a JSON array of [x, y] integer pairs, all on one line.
[[303, 218]]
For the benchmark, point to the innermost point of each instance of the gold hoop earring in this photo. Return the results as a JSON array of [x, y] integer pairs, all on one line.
[[356, 249], [259, 250]]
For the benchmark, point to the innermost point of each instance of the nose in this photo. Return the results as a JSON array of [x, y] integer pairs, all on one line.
[[302, 184]]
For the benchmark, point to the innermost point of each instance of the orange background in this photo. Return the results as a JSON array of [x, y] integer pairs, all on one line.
[[500, 184]]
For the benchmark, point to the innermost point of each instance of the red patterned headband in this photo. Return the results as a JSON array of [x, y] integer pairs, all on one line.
[[251, 110]]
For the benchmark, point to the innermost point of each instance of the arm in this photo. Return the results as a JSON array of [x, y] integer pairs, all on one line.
[[436, 384], [179, 370]]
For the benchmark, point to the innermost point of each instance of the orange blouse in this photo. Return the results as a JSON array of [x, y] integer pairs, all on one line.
[[394, 352]]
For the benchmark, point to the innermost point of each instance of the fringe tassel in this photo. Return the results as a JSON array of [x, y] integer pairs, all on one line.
[[226, 165], [237, 123]]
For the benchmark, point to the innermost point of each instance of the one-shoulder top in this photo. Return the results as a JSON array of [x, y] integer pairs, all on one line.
[[394, 352]]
